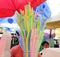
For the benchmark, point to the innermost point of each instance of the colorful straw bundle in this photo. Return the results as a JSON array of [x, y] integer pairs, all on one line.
[[30, 30]]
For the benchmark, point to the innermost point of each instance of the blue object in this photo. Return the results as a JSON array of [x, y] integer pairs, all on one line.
[[10, 20], [42, 11]]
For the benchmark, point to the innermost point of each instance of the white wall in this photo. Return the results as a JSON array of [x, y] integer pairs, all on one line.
[[54, 6]]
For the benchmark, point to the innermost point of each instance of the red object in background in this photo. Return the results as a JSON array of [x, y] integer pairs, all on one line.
[[16, 51], [35, 3], [8, 7]]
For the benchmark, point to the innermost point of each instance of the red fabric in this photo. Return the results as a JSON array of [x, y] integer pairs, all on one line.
[[8, 7], [16, 51], [35, 3]]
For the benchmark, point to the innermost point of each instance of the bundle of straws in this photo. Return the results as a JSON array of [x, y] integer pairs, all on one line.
[[30, 31]]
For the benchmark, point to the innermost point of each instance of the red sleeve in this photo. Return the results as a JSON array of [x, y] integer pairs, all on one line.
[[12, 52], [16, 51]]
